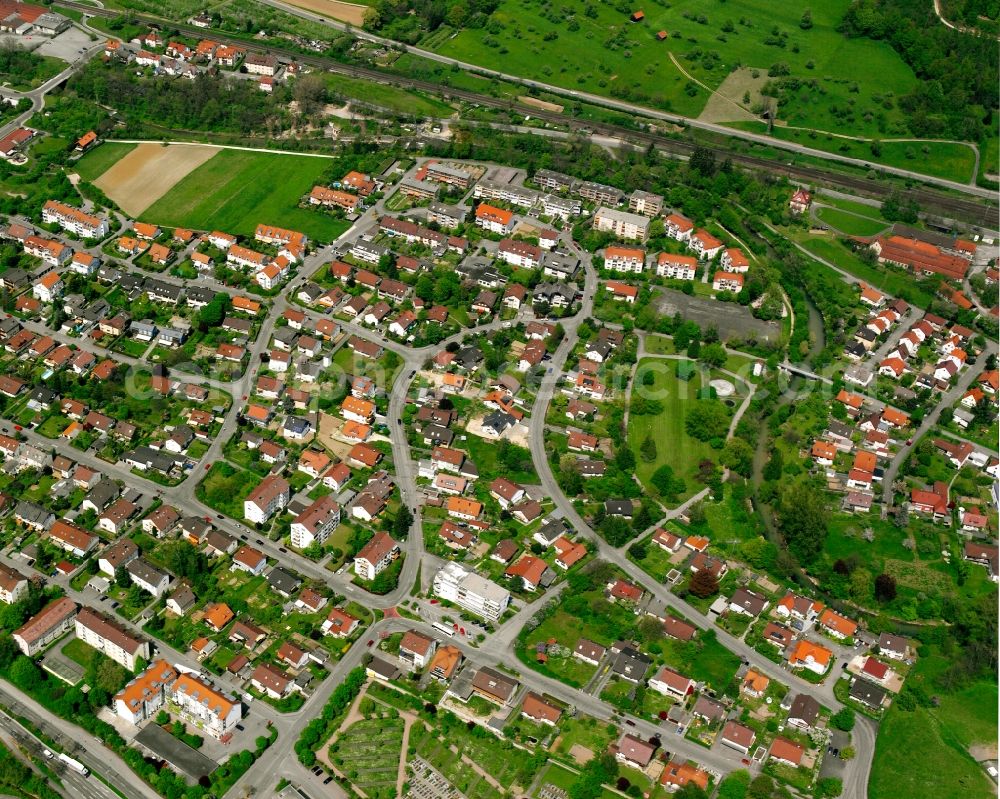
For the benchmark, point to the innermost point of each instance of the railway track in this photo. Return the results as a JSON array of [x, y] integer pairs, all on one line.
[[976, 212]]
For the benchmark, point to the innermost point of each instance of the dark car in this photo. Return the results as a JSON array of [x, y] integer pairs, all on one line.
[[370, 642]]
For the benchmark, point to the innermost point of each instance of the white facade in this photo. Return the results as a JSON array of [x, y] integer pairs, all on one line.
[[470, 591]]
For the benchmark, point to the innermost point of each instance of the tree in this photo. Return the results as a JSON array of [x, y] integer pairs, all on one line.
[[803, 521], [309, 92], [703, 161], [704, 584], [861, 585], [639, 550], [735, 785], [713, 355], [647, 449], [122, 579], [807, 20], [885, 588], [708, 419], [848, 753], [738, 456], [214, 312], [774, 467], [759, 553], [691, 791], [828, 788], [843, 719], [650, 628], [402, 523], [666, 483], [24, 674]]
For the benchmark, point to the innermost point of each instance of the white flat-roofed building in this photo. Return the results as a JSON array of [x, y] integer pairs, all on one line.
[[623, 224], [470, 591]]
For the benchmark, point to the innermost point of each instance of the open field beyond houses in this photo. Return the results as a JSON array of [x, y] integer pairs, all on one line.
[[352, 13], [235, 190], [148, 172]]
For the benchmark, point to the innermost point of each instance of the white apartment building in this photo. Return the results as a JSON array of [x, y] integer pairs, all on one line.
[[375, 556], [107, 637], [266, 499], [315, 523], [86, 226], [624, 225], [678, 267], [186, 695], [470, 591]]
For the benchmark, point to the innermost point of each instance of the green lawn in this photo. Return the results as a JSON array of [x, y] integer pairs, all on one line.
[[101, 159], [943, 159], [236, 190], [896, 283], [854, 206], [674, 447], [225, 487], [850, 224], [388, 97], [608, 55], [79, 652], [941, 770]]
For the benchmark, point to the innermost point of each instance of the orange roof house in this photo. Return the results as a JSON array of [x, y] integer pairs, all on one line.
[[218, 616], [86, 140], [145, 231], [755, 683], [838, 625], [812, 656]]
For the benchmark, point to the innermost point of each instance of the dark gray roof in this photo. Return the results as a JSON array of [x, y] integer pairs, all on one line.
[[867, 693], [805, 709], [283, 582], [630, 664]]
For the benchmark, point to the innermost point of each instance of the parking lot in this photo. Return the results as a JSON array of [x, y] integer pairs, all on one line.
[[66, 46], [729, 318]]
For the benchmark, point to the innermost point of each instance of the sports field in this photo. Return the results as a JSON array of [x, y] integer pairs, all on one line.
[[606, 54], [235, 190]]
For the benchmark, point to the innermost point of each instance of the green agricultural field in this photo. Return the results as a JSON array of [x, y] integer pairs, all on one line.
[[99, 160], [236, 190], [594, 47], [674, 447], [388, 97], [850, 224]]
